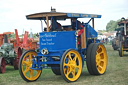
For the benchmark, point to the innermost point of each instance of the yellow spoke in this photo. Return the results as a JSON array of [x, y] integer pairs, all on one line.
[[100, 66], [98, 54], [97, 63], [27, 63], [65, 70], [30, 57], [26, 70], [101, 53], [74, 59], [102, 60], [77, 66], [31, 74], [68, 72], [67, 65], [99, 48], [70, 58], [73, 73]]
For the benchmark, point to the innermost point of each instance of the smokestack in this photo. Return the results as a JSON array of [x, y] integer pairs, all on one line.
[[5, 39], [53, 9]]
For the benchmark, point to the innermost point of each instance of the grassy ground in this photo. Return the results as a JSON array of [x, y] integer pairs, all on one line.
[[116, 74]]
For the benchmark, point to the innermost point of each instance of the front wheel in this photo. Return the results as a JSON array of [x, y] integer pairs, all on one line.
[[25, 65], [71, 65]]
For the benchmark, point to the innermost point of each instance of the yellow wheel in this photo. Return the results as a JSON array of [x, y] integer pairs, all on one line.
[[25, 65], [97, 59], [71, 65]]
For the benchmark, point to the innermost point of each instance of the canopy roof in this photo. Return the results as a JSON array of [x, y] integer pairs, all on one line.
[[123, 22], [60, 15]]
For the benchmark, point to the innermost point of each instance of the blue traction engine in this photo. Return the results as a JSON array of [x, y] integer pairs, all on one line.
[[61, 50]]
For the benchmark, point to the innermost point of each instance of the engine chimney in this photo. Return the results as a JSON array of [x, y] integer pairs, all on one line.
[[53, 9]]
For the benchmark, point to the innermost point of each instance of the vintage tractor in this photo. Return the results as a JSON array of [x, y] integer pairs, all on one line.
[[7, 54], [63, 50], [123, 36], [25, 43], [11, 52]]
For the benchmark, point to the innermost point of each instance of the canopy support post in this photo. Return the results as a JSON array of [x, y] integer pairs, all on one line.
[[93, 28], [47, 24]]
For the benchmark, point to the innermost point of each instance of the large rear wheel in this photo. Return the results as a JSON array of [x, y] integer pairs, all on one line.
[[25, 65], [98, 59], [71, 65], [88, 58]]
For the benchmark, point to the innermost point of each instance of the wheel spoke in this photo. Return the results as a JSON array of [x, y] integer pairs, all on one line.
[[68, 72], [31, 74], [26, 70], [68, 65], [101, 53], [100, 67], [70, 58], [30, 57], [99, 48], [73, 73], [74, 59], [97, 63], [77, 66], [102, 60], [27, 63]]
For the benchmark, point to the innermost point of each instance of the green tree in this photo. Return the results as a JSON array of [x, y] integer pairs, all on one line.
[[112, 25]]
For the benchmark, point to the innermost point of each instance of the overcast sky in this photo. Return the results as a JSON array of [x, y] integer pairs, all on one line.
[[13, 12]]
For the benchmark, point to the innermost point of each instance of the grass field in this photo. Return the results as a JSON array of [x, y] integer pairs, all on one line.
[[116, 74]]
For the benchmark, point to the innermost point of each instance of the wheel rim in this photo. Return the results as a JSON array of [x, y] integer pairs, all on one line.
[[101, 59], [72, 65], [26, 65], [3, 65]]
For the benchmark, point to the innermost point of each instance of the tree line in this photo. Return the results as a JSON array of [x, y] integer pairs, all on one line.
[[112, 25]]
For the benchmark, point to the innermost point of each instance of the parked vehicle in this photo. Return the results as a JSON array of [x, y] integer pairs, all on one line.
[[60, 50], [8, 54], [123, 36]]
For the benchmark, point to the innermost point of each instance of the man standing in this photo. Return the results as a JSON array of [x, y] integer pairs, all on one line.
[[77, 24]]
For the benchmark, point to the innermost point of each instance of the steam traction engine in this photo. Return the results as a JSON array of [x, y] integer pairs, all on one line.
[[60, 51], [123, 36], [8, 55]]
